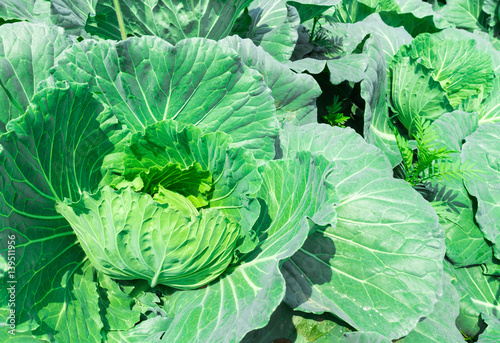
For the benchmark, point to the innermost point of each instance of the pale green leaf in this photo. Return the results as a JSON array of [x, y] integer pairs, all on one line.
[[30, 10], [461, 69], [492, 332], [63, 136], [72, 15], [27, 52], [150, 330], [416, 16], [294, 94], [170, 20], [273, 27], [439, 326], [352, 269], [128, 236], [413, 92], [179, 157], [280, 42], [481, 148], [146, 80], [463, 13], [116, 307], [465, 243], [489, 110], [478, 294], [243, 299], [364, 337]]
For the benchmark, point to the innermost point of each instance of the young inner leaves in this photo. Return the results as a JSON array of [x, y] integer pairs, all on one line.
[[127, 235], [435, 74], [181, 213]]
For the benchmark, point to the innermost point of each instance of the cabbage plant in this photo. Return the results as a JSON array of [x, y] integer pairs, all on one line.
[[170, 187], [175, 212]]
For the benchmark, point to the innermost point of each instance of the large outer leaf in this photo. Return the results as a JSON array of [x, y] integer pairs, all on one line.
[[294, 94], [27, 52], [482, 148], [273, 27], [416, 17], [354, 11], [21, 9], [280, 42], [350, 67], [72, 14], [171, 20], [479, 293], [243, 299], [465, 243], [377, 269], [461, 69], [439, 326], [492, 332], [413, 92], [266, 15], [52, 152], [463, 13], [198, 82], [68, 14], [309, 9]]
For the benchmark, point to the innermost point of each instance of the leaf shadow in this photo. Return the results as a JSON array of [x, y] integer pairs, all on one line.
[[308, 267]]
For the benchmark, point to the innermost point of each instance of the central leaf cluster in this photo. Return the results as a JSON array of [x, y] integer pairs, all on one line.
[[170, 211]]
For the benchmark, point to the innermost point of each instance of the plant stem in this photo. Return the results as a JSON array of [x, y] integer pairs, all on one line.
[[120, 19], [315, 20]]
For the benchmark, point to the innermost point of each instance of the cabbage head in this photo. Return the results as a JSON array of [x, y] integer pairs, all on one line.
[[170, 212], [438, 73]]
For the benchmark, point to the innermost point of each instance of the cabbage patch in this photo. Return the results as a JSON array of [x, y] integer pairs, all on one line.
[[164, 177]]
